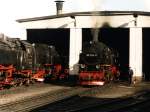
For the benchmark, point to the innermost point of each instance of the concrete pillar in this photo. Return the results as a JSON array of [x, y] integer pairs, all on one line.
[[75, 49], [135, 57]]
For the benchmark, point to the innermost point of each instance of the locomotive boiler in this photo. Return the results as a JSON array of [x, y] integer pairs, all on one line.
[[97, 64]]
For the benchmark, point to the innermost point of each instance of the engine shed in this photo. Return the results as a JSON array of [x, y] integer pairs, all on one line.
[[126, 31]]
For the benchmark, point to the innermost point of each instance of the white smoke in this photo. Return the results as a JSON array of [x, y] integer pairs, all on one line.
[[87, 5], [97, 4]]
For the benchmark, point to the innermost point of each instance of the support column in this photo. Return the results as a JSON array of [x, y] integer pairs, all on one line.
[[75, 49], [136, 53]]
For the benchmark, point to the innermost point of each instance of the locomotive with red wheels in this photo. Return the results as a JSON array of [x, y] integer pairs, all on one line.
[[22, 62], [97, 64]]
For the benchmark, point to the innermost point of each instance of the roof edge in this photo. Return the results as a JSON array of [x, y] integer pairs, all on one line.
[[89, 13]]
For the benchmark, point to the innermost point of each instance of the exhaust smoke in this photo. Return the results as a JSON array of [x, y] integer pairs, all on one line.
[[97, 7]]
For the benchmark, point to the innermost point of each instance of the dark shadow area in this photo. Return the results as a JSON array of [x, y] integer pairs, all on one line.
[[146, 53], [118, 39], [55, 37]]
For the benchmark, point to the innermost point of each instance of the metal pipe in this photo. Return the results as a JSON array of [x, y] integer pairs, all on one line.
[[59, 6]]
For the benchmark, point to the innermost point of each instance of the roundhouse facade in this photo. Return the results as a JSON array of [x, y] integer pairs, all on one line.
[[134, 21]]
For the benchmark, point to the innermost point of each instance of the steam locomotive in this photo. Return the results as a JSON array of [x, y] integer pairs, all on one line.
[[97, 64], [22, 62], [25, 55]]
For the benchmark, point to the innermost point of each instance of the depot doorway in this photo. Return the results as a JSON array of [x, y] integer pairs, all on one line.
[[116, 38], [146, 53], [56, 37]]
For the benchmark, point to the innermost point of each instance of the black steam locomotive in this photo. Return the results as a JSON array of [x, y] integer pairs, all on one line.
[[22, 61], [25, 55], [97, 64]]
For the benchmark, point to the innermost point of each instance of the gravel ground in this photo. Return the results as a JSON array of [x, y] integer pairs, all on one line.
[[118, 90], [113, 91], [99, 95], [22, 92]]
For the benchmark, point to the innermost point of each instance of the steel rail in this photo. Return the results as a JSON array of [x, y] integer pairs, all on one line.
[[116, 105], [30, 103]]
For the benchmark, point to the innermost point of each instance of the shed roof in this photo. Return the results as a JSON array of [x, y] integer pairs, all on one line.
[[91, 13]]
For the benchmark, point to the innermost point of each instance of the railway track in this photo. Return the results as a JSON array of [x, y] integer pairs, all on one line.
[[138, 104], [74, 102], [134, 103], [41, 100], [81, 103]]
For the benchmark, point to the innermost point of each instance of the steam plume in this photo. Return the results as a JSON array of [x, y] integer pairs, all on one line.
[[97, 7]]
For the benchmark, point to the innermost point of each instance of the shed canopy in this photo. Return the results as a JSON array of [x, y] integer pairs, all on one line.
[[90, 19]]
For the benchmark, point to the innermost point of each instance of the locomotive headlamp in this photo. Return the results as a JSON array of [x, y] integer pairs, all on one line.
[[97, 66], [82, 66]]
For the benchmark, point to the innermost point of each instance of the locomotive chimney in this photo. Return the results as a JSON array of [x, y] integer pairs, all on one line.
[[59, 6]]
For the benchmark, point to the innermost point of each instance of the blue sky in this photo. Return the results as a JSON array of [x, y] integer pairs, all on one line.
[[11, 10]]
